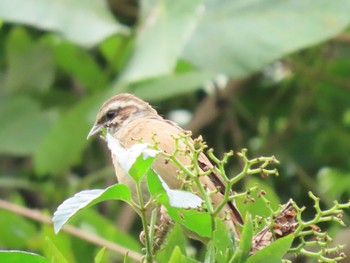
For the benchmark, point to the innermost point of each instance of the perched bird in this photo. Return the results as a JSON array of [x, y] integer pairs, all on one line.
[[128, 119]]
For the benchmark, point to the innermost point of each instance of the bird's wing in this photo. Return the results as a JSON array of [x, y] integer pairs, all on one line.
[[217, 180]]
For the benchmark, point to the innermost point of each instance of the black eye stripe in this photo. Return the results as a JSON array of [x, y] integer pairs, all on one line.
[[111, 114]]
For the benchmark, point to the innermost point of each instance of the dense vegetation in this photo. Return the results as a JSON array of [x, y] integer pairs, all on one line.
[[269, 76]]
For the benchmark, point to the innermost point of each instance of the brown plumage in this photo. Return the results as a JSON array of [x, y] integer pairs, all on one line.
[[128, 119]]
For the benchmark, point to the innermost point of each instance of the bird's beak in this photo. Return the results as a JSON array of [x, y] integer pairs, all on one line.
[[95, 129]]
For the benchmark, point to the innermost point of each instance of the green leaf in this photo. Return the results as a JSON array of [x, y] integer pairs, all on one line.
[[210, 253], [154, 184], [104, 227], [175, 198], [63, 242], [80, 64], [19, 232], [198, 222], [178, 257], [141, 166], [64, 143], [30, 65], [175, 239], [176, 84], [100, 254], [333, 182], [136, 160], [244, 247], [221, 242], [165, 27], [86, 199], [250, 34], [23, 125], [274, 252], [15, 256], [258, 207], [116, 50], [55, 254], [85, 23]]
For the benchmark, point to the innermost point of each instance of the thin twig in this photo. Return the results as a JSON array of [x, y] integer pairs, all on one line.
[[94, 239]]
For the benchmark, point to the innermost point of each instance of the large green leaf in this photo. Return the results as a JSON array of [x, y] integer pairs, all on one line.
[[86, 199], [164, 30], [141, 166], [50, 242], [79, 63], [222, 242], [245, 243], [181, 206], [23, 125], [106, 228], [30, 65], [274, 252], [63, 145], [171, 85], [136, 160], [19, 231], [171, 197], [334, 182], [55, 254], [14, 256], [178, 257], [259, 206], [240, 37], [175, 239], [83, 22]]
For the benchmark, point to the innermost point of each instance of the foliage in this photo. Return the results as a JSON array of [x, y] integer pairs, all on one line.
[[284, 92], [275, 239]]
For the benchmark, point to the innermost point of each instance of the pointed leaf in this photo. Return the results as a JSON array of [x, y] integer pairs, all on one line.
[[274, 252], [63, 145], [244, 247], [64, 242], [86, 199], [155, 185], [178, 257], [222, 243], [136, 160], [56, 255], [23, 125], [175, 239], [196, 221], [164, 30], [15, 256], [85, 23], [250, 34], [30, 64], [176, 198], [78, 63], [99, 256], [210, 254], [177, 84], [140, 167]]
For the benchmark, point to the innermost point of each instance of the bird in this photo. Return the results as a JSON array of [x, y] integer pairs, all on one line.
[[128, 119]]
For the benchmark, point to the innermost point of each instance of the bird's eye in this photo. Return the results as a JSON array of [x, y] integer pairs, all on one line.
[[110, 115]]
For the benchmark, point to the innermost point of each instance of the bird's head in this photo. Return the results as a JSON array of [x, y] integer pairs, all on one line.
[[119, 111]]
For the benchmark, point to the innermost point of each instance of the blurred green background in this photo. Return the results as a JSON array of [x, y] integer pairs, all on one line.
[[271, 76]]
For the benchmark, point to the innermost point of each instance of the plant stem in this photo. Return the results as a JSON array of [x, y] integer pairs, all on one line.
[[149, 255]]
